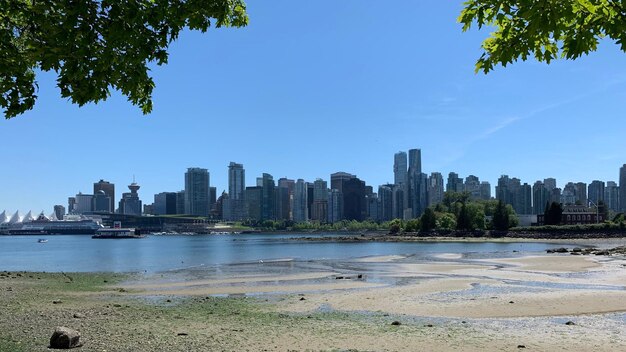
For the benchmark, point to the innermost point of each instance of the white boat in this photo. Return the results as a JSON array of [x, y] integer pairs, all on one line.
[[118, 233]]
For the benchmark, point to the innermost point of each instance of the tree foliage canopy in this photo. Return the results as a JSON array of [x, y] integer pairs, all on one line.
[[545, 29], [96, 45]]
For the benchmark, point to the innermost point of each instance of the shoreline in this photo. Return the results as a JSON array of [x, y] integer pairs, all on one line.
[[452, 302]]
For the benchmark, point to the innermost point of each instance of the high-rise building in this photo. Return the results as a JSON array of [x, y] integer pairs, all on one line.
[[472, 186], [84, 203], [398, 201], [549, 183], [197, 185], [254, 200], [109, 189], [268, 200], [101, 202], [622, 188], [288, 186], [540, 197], [400, 168], [568, 195], [300, 205], [354, 206], [164, 203], [417, 182], [555, 195], [180, 202], [234, 205], [320, 201], [59, 212], [525, 200], [611, 196], [130, 204], [334, 206], [283, 209], [455, 183], [485, 190], [581, 193], [595, 191], [372, 207], [435, 188], [385, 197], [71, 205]]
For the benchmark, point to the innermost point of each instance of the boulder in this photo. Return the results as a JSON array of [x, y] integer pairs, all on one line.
[[65, 338]]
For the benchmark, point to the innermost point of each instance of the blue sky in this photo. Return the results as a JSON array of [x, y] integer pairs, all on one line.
[[314, 87]]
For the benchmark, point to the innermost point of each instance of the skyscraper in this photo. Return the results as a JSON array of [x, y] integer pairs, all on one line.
[[59, 212], [472, 186], [416, 184], [435, 188], [164, 203], [354, 206], [611, 196], [485, 190], [595, 191], [268, 198], [197, 185], [399, 168], [320, 201], [300, 206], [109, 190], [622, 188], [540, 197], [455, 183], [130, 204], [385, 195], [235, 206]]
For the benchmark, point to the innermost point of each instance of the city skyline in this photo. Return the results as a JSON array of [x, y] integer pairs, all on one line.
[[430, 181], [334, 92]]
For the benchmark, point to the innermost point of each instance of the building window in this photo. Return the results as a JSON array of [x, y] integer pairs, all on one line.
[[568, 218]]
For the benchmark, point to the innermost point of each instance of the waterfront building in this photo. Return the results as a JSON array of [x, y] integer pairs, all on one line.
[[217, 210], [511, 191], [435, 188], [212, 197], [611, 196], [385, 197], [101, 202], [268, 200], [354, 206], [400, 168], [290, 185], [540, 197], [148, 209], [83, 203], [398, 203], [71, 205], [180, 202], [334, 206], [455, 183], [417, 183], [254, 198], [4, 218], [309, 194], [525, 200], [372, 207], [300, 203], [622, 188], [235, 206], [320, 201], [109, 190], [130, 204], [576, 215], [197, 185], [59, 212], [596, 191], [283, 209], [165, 203]]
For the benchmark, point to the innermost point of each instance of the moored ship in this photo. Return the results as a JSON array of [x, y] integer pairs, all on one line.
[[44, 226]]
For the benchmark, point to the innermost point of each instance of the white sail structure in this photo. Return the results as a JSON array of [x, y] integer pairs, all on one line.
[[3, 217], [28, 217], [53, 217], [16, 218]]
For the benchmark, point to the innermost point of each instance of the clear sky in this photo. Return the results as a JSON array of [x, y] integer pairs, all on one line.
[[314, 87]]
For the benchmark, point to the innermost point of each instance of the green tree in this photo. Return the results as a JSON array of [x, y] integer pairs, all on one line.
[[463, 221], [501, 217], [547, 29], [446, 221], [552, 215], [96, 45], [428, 220], [412, 225]]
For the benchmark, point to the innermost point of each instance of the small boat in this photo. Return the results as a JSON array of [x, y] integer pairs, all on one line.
[[42, 240], [118, 233]]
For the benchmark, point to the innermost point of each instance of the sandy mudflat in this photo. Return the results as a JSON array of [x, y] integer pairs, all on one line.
[[451, 305]]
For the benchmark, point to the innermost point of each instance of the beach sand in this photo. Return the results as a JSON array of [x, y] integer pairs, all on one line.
[[450, 304]]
